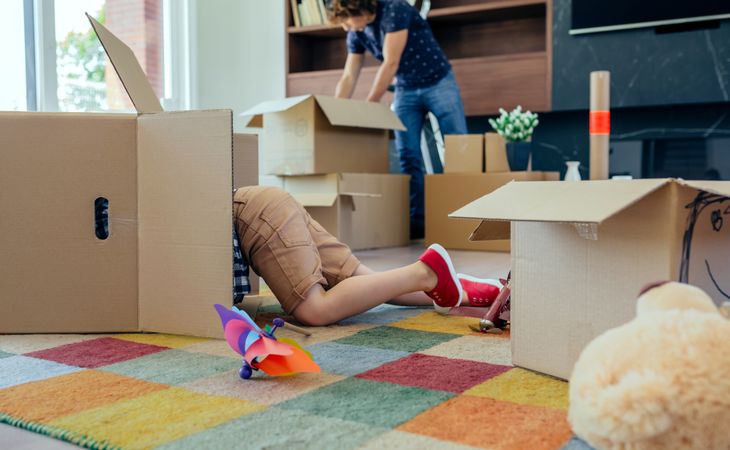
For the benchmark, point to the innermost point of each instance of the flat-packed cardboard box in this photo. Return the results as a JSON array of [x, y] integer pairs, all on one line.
[[245, 160], [167, 177], [246, 173], [581, 251], [463, 153], [447, 192], [364, 211], [495, 153], [316, 134]]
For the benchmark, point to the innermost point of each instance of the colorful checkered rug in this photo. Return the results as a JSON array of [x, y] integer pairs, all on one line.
[[391, 378]]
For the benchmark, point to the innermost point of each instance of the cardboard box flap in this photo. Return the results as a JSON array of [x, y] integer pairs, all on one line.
[[491, 231], [253, 116], [559, 201], [315, 199], [713, 187], [362, 194], [133, 78], [358, 113], [185, 252]]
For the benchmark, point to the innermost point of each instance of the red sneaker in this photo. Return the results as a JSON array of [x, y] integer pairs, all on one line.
[[479, 291], [448, 291]]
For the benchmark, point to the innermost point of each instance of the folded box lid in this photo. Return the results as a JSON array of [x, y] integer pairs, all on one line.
[[339, 112], [319, 190], [585, 202], [133, 78], [713, 187], [589, 202]]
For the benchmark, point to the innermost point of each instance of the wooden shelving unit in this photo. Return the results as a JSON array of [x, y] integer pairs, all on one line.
[[500, 50]]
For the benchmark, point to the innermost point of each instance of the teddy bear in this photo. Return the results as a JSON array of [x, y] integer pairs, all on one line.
[[660, 381]]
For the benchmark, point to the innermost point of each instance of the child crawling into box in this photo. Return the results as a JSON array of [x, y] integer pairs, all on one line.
[[319, 281]]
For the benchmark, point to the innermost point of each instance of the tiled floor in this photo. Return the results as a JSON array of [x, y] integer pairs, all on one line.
[[479, 264]]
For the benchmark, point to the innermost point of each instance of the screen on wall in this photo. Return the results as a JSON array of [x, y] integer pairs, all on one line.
[[591, 16]]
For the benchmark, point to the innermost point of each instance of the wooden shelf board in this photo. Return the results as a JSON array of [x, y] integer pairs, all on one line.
[[317, 30], [454, 62]]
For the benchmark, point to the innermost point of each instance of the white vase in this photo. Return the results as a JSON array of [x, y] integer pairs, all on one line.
[[572, 174]]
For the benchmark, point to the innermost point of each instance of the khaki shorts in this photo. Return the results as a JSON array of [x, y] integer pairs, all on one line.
[[286, 247]]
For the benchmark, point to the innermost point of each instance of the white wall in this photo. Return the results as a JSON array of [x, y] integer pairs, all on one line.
[[238, 53]]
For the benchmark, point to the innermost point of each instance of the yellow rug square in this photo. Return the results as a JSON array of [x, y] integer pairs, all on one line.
[[154, 419], [163, 340], [524, 387], [64, 395], [437, 323]]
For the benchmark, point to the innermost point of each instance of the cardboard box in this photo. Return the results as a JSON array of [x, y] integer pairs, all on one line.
[[448, 192], [167, 177], [463, 153], [245, 160], [316, 134], [246, 173], [364, 211], [581, 252], [495, 153]]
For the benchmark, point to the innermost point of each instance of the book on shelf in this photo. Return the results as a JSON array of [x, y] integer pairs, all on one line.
[[295, 13], [313, 11], [323, 12], [304, 14]]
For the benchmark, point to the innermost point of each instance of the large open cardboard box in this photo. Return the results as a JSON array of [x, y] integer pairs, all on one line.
[[364, 211], [450, 191], [581, 251], [168, 179], [316, 134]]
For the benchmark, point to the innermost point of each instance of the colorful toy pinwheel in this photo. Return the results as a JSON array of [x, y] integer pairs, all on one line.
[[260, 349]]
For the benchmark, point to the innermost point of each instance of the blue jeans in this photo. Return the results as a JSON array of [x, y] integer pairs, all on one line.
[[443, 100]]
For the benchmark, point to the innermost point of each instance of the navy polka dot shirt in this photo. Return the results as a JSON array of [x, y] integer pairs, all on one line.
[[423, 63]]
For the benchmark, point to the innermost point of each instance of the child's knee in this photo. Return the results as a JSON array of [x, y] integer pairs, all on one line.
[[313, 311]]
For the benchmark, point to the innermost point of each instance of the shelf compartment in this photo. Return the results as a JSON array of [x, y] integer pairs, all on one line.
[[487, 83]]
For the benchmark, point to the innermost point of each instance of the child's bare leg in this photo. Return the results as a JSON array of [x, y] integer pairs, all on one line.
[[360, 293], [418, 298]]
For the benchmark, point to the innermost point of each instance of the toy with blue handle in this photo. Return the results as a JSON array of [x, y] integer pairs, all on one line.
[[260, 349]]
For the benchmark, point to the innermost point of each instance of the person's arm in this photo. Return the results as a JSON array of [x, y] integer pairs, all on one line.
[[347, 82], [393, 47]]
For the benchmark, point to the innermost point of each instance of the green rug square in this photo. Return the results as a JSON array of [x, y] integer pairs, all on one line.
[[5, 355], [371, 402], [173, 366], [400, 339], [275, 428]]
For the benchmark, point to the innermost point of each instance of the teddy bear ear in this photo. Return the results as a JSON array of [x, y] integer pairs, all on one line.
[[652, 285]]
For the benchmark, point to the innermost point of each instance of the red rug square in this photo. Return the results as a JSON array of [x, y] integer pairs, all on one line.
[[96, 352], [435, 372]]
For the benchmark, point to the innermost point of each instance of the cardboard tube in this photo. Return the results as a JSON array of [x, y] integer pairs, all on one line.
[[600, 124]]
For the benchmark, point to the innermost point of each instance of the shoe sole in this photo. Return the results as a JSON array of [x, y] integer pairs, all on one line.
[[445, 256]]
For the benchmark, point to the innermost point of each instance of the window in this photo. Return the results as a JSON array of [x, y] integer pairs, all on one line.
[[61, 65], [86, 79], [13, 94]]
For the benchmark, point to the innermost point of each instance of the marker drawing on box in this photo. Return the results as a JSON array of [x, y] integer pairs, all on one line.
[[702, 201]]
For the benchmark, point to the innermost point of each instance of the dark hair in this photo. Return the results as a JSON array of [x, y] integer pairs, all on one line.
[[339, 10]]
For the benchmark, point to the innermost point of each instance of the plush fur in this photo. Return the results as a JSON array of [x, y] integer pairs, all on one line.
[[661, 381]]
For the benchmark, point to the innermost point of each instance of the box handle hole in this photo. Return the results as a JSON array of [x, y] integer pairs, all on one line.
[[101, 218]]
